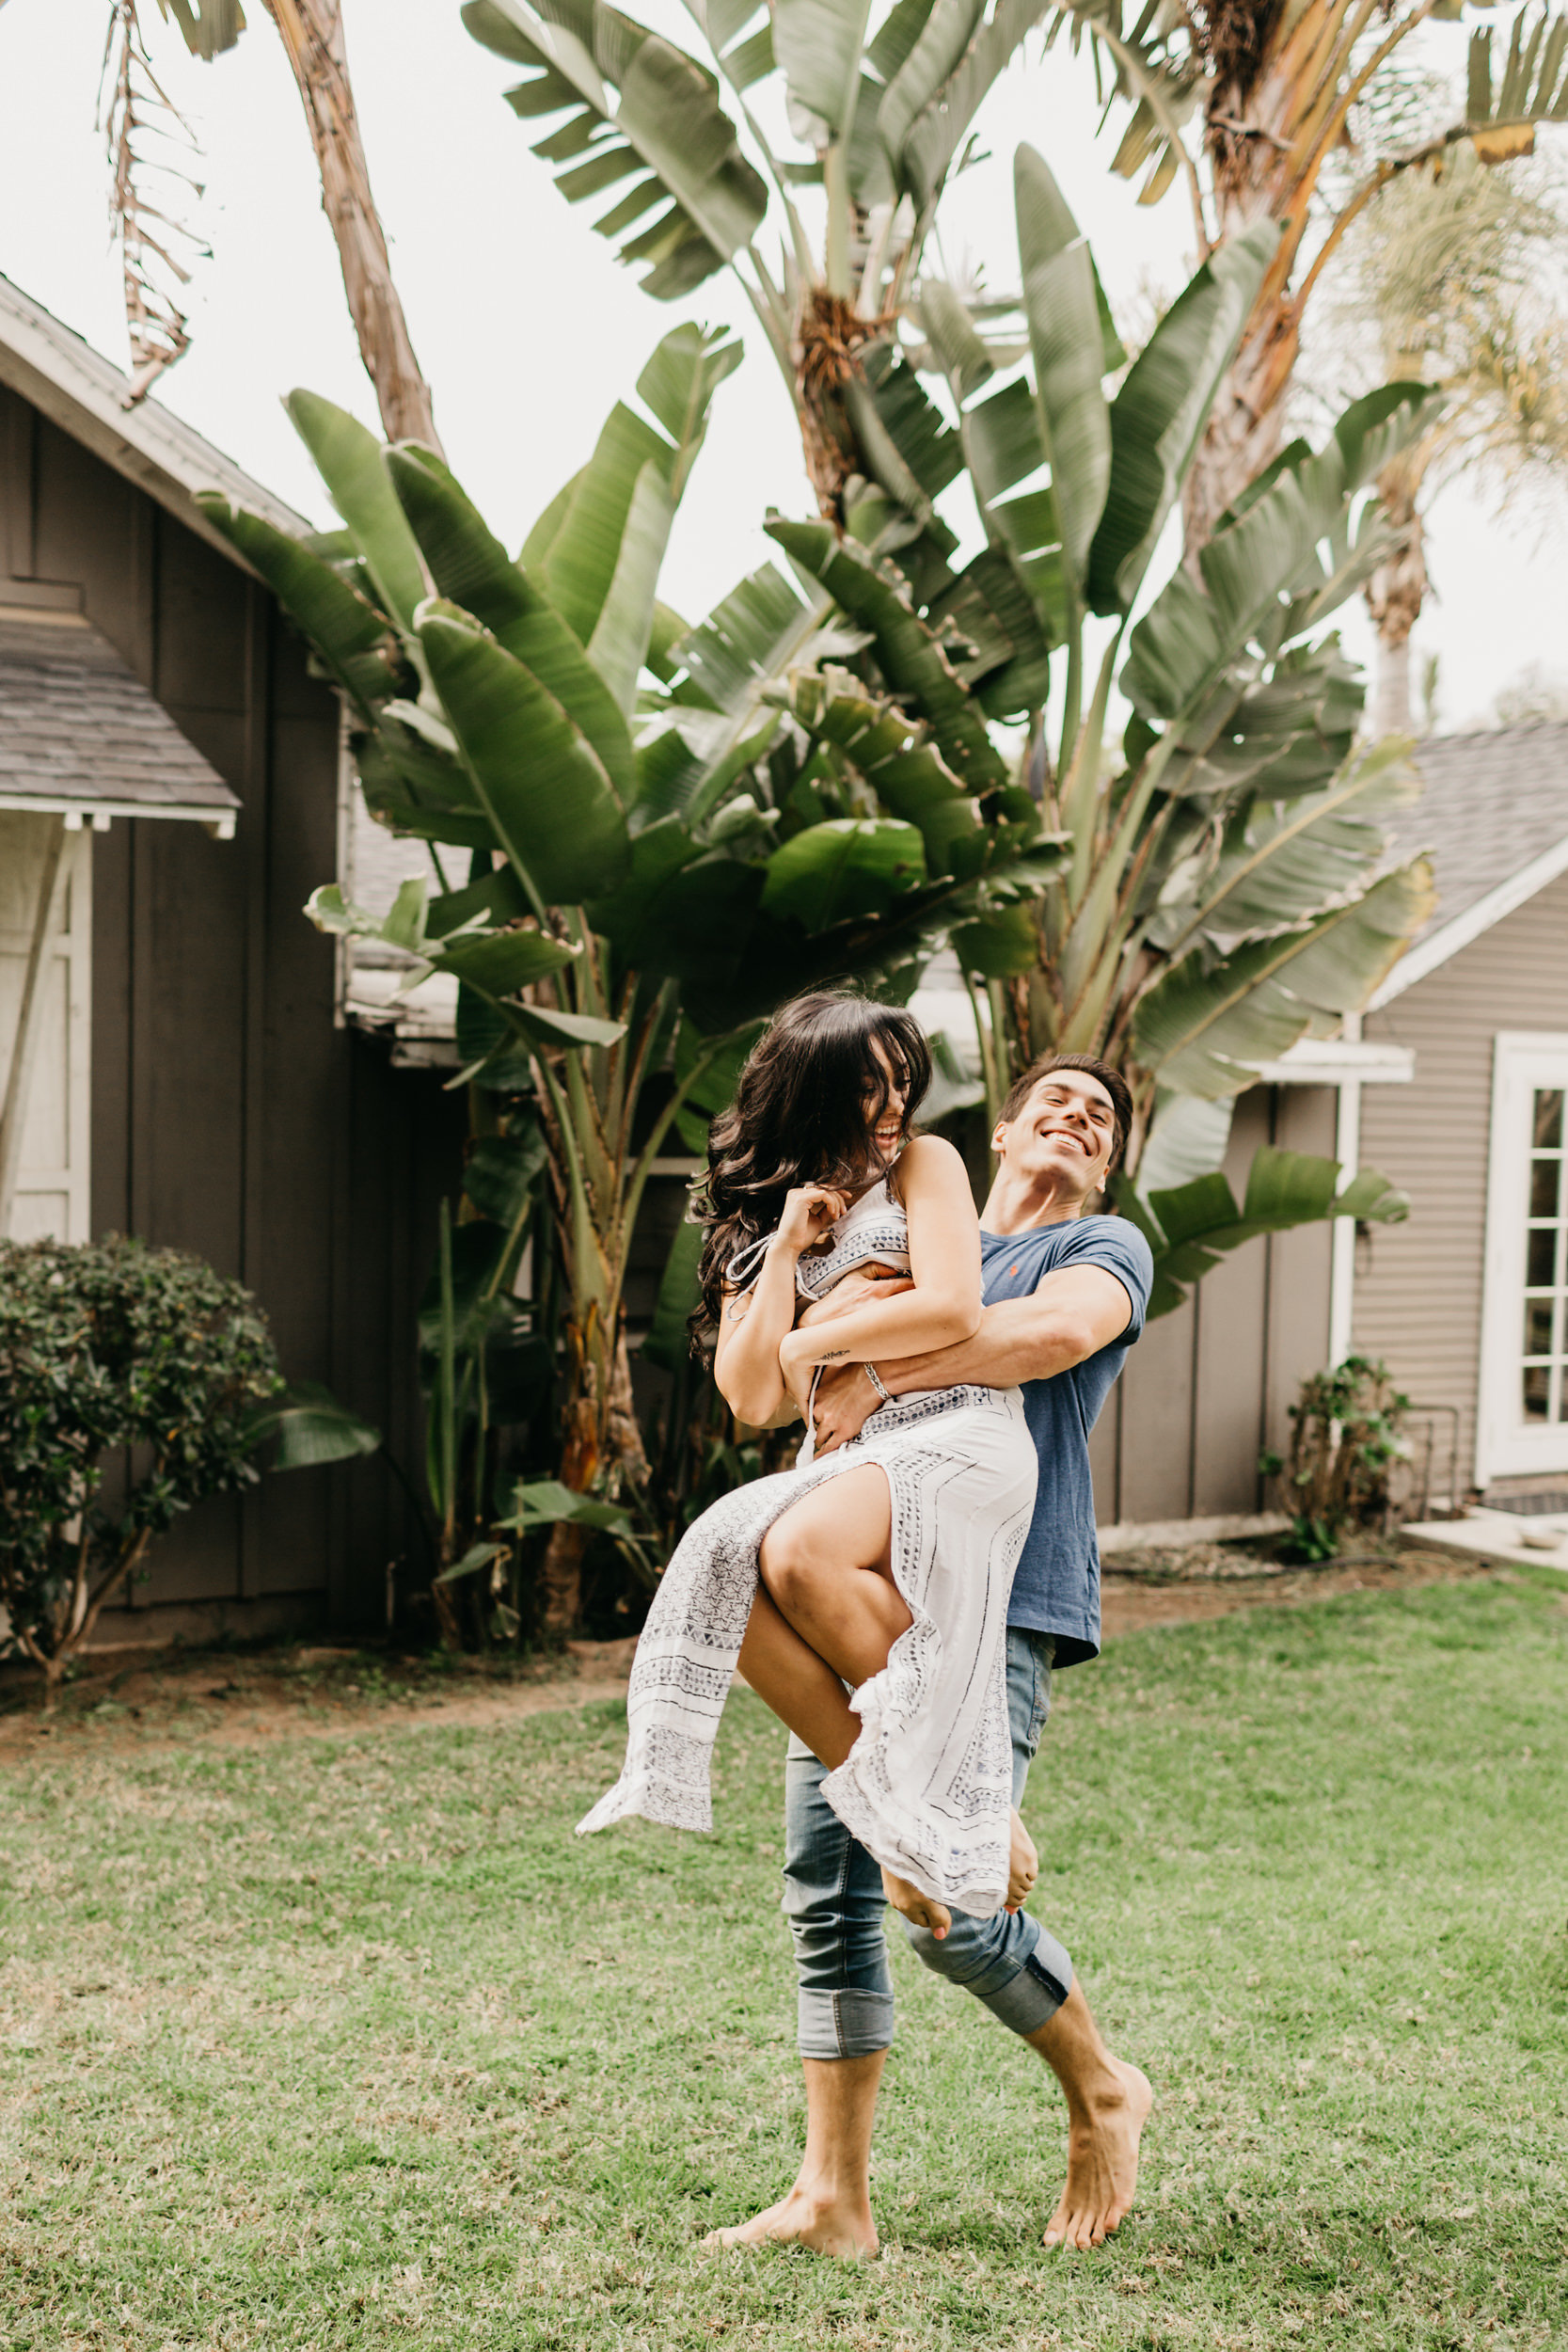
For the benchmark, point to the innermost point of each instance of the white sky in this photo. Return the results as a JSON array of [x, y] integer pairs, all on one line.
[[527, 327]]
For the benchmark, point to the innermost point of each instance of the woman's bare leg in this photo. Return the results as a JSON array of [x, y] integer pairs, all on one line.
[[826, 1567], [789, 1675]]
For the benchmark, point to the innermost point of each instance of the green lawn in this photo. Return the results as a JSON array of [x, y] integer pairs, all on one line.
[[346, 2041]]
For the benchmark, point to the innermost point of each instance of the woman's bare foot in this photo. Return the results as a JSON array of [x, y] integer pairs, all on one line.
[[1102, 2159], [920, 1910], [1024, 1864], [824, 2225]]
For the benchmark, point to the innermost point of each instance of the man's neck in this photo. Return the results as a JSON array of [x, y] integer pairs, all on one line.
[[1015, 1207]]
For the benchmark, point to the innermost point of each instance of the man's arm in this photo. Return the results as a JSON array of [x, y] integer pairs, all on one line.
[[1071, 1315]]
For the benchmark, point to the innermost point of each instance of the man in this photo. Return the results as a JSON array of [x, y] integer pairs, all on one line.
[[1065, 1294]]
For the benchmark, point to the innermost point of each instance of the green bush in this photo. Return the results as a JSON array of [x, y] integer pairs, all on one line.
[[1346, 1436], [104, 1346]]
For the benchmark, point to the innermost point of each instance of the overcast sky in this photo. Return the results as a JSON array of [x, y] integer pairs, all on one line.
[[523, 322]]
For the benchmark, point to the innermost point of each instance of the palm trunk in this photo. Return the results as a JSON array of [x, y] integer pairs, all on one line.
[[312, 35], [1395, 595]]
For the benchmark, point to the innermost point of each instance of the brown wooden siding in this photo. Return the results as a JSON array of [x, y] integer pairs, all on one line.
[[1418, 1285], [1207, 1387], [230, 1116]]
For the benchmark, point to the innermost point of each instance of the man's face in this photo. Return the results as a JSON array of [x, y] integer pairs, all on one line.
[[1065, 1133]]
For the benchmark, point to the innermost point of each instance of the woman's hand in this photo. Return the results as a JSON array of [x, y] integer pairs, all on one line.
[[859, 1288], [809, 1210]]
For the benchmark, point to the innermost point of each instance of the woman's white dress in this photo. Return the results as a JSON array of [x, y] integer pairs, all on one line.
[[928, 1787]]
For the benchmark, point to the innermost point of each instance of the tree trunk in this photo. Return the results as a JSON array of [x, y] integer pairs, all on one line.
[[1246, 426], [313, 33], [1395, 595]]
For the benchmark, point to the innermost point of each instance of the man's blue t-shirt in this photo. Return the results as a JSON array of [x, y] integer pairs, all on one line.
[[1056, 1589]]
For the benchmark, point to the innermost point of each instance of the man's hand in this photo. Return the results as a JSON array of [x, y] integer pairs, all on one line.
[[846, 1401]]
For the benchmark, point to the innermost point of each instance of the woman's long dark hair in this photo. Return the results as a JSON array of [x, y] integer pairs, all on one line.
[[800, 1118]]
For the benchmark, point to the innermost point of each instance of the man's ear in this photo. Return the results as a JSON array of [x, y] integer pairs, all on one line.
[[998, 1137]]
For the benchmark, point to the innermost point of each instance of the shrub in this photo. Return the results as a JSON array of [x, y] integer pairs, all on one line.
[[104, 1346], [1345, 1439]]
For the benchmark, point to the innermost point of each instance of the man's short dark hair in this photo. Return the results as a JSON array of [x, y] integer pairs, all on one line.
[[1112, 1080]]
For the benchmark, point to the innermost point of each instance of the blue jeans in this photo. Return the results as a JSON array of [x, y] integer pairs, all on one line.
[[834, 1903]]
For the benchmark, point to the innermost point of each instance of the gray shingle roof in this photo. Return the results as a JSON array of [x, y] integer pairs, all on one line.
[[78, 729], [1494, 801]]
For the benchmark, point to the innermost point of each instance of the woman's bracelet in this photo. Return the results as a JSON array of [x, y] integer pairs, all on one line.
[[870, 1371]]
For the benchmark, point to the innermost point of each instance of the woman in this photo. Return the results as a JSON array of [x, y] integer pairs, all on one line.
[[887, 1565]]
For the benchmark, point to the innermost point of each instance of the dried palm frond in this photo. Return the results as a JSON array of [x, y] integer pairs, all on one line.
[[150, 145]]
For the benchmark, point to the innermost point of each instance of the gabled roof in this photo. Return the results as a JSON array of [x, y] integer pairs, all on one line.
[[85, 394], [1495, 817], [81, 737]]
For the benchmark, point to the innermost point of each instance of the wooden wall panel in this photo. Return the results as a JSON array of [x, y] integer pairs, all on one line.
[[1157, 1421], [1298, 1270], [1233, 1310]]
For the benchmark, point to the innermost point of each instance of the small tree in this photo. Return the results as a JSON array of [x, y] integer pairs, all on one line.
[[106, 1347], [1345, 1439]]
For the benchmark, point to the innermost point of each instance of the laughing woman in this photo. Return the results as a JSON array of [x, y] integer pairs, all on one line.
[[834, 1235]]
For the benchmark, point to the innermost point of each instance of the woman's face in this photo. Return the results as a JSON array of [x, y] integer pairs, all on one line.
[[884, 1121]]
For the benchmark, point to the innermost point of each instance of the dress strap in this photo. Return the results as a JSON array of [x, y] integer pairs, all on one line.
[[745, 1265]]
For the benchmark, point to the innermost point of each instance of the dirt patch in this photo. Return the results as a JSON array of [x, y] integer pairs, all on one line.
[[121, 1702], [1204, 1581]]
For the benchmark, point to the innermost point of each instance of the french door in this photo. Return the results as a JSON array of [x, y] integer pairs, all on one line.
[[1522, 1424]]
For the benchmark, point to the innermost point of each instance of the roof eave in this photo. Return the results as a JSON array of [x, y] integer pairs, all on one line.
[[1430, 954], [83, 393]]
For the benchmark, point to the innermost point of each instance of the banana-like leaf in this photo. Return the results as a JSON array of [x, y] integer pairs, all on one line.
[[544, 1502], [663, 129], [1191, 1226], [471, 568], [1268, 554], [502, 1171], [935, 56], [668, 1342], [544, 787], [1187, 1139], [944, 124], [845, 867], [1206, 1028], [1060, 301], [348, 457], [1157, 416], [579, 546], [891, 753], [312, 1427], [818, 45], [1284, 861], [499, 962], [348, 634], [912, 659]]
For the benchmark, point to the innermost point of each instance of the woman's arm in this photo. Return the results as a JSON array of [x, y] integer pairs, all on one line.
[[753, 1323], [943, 1306]]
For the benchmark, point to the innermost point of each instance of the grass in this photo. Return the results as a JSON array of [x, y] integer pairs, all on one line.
[[345, 2041]]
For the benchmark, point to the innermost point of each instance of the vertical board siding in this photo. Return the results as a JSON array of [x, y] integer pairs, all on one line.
[[1418, 1285], [230, 1116]]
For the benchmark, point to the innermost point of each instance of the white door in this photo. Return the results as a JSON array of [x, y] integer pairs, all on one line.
[[51, 1191], [1523, 1422]]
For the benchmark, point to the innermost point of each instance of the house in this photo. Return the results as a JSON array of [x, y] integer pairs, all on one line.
[[1469, 1302], [172, 1053]]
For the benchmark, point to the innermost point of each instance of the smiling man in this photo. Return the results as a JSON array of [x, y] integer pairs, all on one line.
[[1066, 1292]]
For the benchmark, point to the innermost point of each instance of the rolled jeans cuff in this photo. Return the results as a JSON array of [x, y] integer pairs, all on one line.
[[844, 2024]]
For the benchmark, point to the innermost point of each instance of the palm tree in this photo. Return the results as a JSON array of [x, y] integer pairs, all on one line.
[[1271, 92], [142, 126], [1444, 279]]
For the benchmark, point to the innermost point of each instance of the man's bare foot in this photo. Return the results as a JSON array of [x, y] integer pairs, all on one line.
[[1101, 2162], [1024, 1864], [823, 2225], [920, 1910]]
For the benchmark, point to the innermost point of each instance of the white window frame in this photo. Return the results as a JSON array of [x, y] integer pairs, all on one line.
[[1505, 1444], [69, 948]]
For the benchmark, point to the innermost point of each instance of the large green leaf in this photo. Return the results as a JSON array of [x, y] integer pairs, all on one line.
[[1191, 1226], [665, 132], [818, 45], [1063, 311], [1206, 1028], [599, 543], [668, 1342], [890, 752], [845, 866], [349, 460], [312, 1427], [1283, 861], [913, 661], [545, 788], [471, 568], [350, 636], [944, 124], [1157, 416]]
